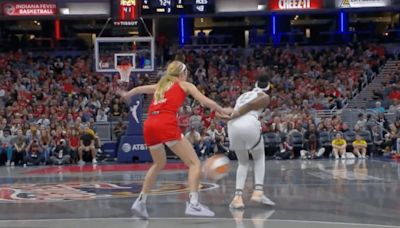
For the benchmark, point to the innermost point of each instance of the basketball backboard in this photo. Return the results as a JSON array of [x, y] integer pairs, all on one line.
[[112, 51]]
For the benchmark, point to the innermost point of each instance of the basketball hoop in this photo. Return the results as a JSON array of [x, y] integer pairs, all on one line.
[[124, 71]]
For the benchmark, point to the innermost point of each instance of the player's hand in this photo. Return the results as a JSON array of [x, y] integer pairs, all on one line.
[[223, 116], [227, 111]]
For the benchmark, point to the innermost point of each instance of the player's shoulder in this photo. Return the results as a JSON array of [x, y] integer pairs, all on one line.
[[186, 85], [182, 86]]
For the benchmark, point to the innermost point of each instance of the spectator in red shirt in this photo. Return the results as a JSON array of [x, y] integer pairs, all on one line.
[[395, 94], [207, 118]]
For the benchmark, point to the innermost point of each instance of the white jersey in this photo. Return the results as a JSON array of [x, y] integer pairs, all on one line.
[[244, 132], [247, 98]]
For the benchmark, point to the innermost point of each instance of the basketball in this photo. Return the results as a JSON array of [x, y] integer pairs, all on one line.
[[216, 167]]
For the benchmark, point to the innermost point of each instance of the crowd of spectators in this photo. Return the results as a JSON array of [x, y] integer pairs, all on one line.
[[388, 95], [48, 105], [304, 81]]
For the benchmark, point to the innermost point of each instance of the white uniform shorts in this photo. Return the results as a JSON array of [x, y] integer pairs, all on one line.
[[245, 134]]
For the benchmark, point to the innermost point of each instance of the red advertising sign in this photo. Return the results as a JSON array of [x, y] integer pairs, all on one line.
[[294, 4], [29, 8]]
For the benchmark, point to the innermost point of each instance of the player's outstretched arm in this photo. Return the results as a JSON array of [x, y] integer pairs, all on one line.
[[191, 89], [147, 89], [262, 101]]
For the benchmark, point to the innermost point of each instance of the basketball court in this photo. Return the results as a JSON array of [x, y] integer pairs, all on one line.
[[307, 193]]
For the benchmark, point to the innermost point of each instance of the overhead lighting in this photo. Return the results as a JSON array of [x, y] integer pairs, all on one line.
[[64, 11], [273, 24], [182, 30], [342, 22], [261, 7]]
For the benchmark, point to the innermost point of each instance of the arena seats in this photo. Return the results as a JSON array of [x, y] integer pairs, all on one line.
[[297, 141], [272, 143]]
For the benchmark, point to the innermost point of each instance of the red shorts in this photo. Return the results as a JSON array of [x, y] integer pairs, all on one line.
[[160, 129]]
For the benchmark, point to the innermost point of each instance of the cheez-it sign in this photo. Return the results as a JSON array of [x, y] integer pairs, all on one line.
[[295, 4]]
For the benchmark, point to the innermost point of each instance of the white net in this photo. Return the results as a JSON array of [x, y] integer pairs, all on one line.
[[124, 72]]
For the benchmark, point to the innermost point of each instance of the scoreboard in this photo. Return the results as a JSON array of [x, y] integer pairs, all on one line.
[[176, 7]]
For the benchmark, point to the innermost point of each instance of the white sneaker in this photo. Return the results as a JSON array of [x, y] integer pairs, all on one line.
[[13, 164], [198, 210], [321, 152], [139, 209], [94, 161], [81, 162], [263, 200], [8, 163], [337, 158]]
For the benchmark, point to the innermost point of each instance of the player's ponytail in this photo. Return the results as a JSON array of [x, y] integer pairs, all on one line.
[[174, 69]]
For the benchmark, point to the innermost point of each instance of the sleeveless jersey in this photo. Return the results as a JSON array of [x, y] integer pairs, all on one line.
[[246, 98], [172, 101], [161, 125]]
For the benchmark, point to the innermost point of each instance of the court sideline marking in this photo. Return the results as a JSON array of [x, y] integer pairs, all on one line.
[[187, 218]]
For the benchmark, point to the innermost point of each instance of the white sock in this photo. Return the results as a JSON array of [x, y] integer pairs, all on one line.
[[194, 198], [239, 192], [258, 187], [143, 197]]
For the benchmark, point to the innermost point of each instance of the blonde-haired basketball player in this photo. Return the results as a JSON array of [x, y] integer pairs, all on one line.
[[245, 136], [161, 128]]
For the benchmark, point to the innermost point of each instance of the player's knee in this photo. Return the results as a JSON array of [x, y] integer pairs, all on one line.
[[244, 163], [159, 165], [195, 165], [258, 154]]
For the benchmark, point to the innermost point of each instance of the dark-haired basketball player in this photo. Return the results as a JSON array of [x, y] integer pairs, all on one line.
[[245, 136]]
